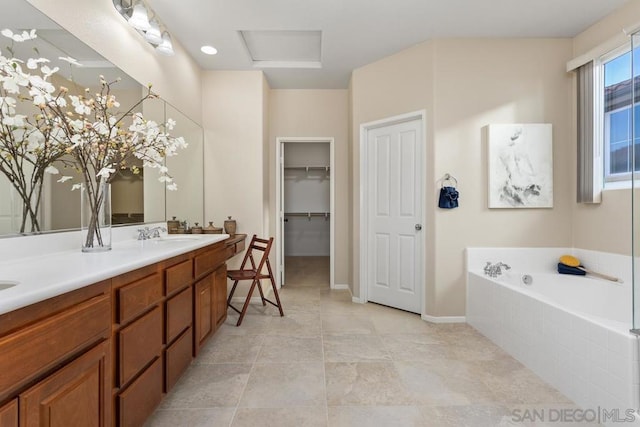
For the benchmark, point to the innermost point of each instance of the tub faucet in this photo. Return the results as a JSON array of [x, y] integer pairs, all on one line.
[[149, 233], [495, 270]]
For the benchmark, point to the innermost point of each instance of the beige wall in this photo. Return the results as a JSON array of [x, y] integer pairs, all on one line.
[[233, 122], [605, 226], [480, 82], [101, 27], [465, 85], [316, 113]]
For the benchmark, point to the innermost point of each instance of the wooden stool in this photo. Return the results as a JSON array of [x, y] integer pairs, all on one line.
[[255, 275]]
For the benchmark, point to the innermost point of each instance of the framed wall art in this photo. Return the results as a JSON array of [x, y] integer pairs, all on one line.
[[520, 165]]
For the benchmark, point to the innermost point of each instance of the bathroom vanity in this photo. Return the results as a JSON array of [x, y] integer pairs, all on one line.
[[105, 353]]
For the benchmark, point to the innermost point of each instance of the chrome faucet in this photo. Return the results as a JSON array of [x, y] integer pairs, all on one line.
[[495, 270], [149, 233]]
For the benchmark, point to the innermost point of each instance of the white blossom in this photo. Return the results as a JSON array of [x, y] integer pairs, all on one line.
[[52, 170], [172, 187], [65, 178], [33, 63], [105, 172]]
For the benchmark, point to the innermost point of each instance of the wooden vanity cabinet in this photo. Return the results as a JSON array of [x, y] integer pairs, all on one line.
[[105, 355], [55, 361]]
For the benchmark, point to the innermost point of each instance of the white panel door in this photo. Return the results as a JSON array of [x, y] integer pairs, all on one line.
[[395, 239]]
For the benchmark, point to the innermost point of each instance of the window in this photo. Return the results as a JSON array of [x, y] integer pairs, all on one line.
[[617, 124]]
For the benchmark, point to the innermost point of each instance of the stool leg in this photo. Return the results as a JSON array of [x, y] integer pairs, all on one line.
[[246, 302], [233, 289], [261, 293], [275, 289]]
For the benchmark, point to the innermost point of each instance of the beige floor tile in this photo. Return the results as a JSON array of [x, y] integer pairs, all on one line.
[[349, 324], [466, 416], [283, 349], [418, 347], [284, 385], [191, 417], [365, 384], [443, 383], [281, 417], [331, 362], [354, 348], [227, 348], [209, 386], [298, 324], [375, 416]]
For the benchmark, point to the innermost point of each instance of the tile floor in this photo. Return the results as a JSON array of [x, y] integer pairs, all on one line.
[[330, 362]]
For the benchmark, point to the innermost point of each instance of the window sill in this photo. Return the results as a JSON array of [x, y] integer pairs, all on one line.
[[620, 185]]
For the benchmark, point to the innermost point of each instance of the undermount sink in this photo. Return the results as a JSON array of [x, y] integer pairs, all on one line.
[[177, 238], [6, 284]]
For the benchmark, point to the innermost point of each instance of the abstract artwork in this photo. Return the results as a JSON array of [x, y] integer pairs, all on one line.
[[520, 166]]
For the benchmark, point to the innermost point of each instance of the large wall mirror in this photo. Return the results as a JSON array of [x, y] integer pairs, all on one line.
[[136, 198]]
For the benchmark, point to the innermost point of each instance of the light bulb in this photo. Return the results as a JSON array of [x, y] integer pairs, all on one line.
[[139, 18], [166, 47]]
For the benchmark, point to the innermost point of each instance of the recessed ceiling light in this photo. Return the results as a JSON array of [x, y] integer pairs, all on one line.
[[209, 50]]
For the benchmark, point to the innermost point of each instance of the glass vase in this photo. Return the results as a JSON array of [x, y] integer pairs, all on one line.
[[95, 217]]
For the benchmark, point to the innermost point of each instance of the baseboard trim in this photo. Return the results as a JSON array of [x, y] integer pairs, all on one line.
[[444, 319], [340, 287], [357, 300]]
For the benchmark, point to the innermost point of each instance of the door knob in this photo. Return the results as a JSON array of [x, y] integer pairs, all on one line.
[[418, 227]]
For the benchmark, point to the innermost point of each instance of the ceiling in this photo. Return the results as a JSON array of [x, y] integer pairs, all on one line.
[[358, 32]]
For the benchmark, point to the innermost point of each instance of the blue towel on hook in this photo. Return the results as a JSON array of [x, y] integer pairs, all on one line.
[[448, 198]]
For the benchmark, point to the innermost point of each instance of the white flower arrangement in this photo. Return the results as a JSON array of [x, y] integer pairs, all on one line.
[[89, 130]]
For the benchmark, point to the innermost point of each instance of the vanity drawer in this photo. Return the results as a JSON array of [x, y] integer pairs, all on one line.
[[35, 349], [138, 344], [138, 401], [178, 358], [136, 297], [179, 313], [178, 276], [210, 259]]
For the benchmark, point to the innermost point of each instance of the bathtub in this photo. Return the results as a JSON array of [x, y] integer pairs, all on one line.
[[572, 331]]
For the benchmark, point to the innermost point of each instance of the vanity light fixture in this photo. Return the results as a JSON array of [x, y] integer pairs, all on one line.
[[136, 13], [209, 50]]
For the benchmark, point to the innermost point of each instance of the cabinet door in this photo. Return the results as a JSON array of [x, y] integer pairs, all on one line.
[[220, 295], [75, 395], [203, 311], [9, 414]]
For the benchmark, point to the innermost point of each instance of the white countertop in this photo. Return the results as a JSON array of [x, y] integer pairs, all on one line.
[[48, 275]]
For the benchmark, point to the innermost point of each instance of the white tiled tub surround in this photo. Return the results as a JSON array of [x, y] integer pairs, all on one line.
[[592, 360]]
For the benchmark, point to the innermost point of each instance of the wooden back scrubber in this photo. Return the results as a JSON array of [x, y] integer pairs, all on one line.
[[571, 261]]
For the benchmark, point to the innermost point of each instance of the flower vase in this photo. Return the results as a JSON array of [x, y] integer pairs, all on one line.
[[95, 217]]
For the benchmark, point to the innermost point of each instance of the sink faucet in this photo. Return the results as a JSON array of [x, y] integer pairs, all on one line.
[[149, 233], [494, 270]]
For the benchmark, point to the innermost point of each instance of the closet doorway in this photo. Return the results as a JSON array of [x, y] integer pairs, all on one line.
[[305, 228]]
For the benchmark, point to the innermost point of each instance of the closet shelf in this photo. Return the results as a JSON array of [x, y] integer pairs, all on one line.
[[308, 168], [326, 215]]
